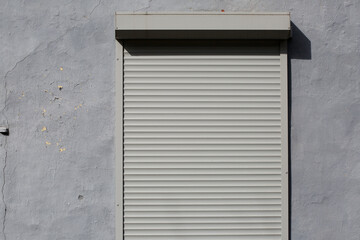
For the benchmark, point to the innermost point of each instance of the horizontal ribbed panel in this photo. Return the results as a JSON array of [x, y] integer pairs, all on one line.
[[202, 143]]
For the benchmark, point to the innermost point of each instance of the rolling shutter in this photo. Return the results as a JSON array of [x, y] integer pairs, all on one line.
[[203, 141]]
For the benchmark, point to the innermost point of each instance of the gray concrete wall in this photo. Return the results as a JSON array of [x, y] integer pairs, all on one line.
[[57, 97]]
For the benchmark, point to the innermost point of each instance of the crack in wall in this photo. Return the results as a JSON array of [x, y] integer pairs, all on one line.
[[34, 51], [37, 49], [95, 8], [145, 8], [2, 191], [6, 154]]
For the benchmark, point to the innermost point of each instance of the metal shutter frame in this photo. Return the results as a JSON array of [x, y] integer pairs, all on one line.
[[270, 146]]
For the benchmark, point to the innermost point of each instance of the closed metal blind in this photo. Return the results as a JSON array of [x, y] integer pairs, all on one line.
[[202, 142]]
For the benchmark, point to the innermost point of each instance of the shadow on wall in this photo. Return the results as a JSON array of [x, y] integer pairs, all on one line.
[[299, 47]]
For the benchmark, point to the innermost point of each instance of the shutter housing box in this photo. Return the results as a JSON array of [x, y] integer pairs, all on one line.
[[201, 126], [202, 26]]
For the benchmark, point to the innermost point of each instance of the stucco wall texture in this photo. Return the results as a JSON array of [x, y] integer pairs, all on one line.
[[57, 175]]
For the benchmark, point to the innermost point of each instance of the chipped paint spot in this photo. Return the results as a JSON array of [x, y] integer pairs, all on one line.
[[22, 95], [48, 143], [43, 129], [55, 98], [62, 149], [61, 69], [78, 106], [60, 87]]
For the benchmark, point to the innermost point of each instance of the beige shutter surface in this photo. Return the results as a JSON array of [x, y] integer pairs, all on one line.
[[202, 142]]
